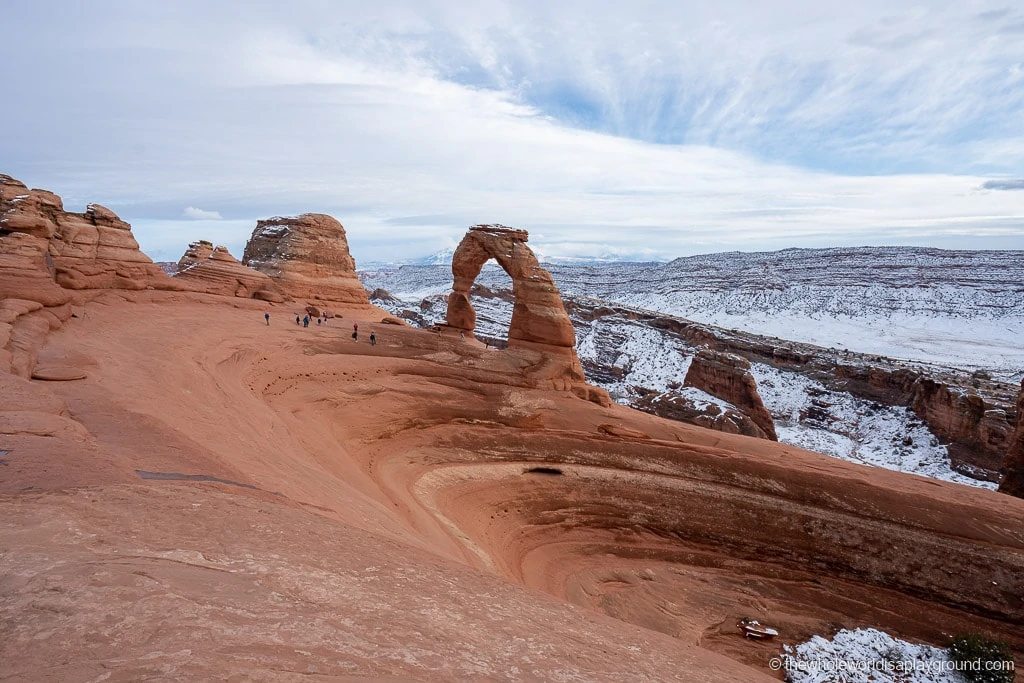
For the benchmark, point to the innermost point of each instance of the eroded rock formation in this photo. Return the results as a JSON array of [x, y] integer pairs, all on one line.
[[676, 406], [728, 377], [539, 319], [307, 257], [220, 273], [197, 252], [1013, 468], [91, 250], [44, 253]]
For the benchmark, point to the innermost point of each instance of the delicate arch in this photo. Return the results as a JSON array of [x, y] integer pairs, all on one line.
[[538, 315]]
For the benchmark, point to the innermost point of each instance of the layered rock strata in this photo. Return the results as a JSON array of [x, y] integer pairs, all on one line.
[[1013, 467], [48, 254], [221, 273], [972, 414], [307, 257], [728, 377], [90, 250], [196, 253]]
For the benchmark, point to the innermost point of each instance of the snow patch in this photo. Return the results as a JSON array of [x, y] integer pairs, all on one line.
[[867, 656]]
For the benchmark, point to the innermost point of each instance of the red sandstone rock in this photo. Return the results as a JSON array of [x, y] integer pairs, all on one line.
[[677, 406], [1013, 468], [197, 253], [623, 432], [221, 273], [538, 315], [26, 270], [307, 257], [728, 377], [91, 250]]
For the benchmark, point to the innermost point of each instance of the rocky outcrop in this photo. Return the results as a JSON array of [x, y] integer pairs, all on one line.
[[221, 273], [45, 252], [539, 320], [307, 257], [91, 250], [971, 414], [675, 405], [196, 253], [728, 377], [1013, 467]]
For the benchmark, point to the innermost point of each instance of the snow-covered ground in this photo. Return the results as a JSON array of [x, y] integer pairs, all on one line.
[[835, 423], [866, 656], [964, 309], [958, 308], [621, 355]]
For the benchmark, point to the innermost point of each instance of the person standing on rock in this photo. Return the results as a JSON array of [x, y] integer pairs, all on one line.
[[267, 317], [373, 339], [298, 320], [355, 335], [305, 321]]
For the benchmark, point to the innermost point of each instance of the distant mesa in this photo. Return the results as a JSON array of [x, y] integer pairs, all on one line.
[[307, 257]]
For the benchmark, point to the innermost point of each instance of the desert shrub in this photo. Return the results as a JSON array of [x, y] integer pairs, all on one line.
[[981, 659]]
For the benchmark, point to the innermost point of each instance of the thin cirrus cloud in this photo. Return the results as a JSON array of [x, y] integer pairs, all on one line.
[[657, 129]]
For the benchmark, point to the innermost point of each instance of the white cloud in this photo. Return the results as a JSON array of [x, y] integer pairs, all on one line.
[[796, 121], [201, 214]]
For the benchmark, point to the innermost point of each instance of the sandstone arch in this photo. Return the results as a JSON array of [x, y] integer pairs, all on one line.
[[539, 321]]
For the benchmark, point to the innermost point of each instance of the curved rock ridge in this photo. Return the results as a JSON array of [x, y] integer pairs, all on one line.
[[1013, 468], [307, 256], [220, 273], [728, 377], [91, 250], [539, 320]]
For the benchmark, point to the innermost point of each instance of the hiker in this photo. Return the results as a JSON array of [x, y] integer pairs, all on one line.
[[267, 316], [298, 320], [373, 339], [318, 321], [305, 321], [355, 335], [462, 335]]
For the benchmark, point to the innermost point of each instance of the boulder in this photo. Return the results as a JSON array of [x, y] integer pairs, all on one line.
[[728, 377], [307, 257], [1013, 466]]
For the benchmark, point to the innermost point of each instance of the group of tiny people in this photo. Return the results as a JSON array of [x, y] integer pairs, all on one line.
[[322, 320]]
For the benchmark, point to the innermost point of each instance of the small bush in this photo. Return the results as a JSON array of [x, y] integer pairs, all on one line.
[[981, 659]]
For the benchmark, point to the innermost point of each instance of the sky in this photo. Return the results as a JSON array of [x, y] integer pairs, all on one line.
[[641, 130]]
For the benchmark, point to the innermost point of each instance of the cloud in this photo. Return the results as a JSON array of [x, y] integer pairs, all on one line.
[[658, 127], [200, 214], [1008, 184]]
